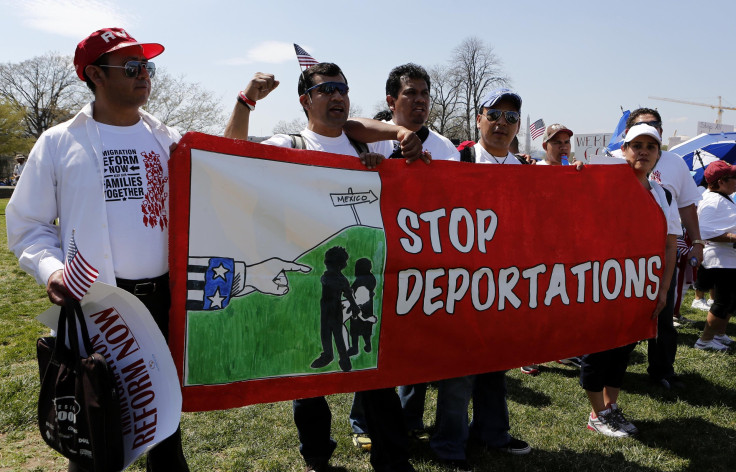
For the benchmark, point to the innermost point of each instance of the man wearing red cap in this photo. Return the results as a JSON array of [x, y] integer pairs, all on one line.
[[104, 175]]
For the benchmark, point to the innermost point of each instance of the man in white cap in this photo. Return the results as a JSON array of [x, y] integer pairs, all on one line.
[[120, 222]]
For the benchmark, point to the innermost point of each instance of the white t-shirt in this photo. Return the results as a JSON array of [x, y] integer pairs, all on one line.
[[717, 215], [672, 173], [670, 209], [136, 185], [317, 142], [439, 146], [484, 157]]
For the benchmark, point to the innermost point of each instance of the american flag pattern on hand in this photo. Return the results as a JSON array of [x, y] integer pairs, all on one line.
[[79, 275]]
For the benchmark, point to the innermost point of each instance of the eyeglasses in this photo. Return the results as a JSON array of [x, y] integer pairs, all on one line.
[[512, 117], [133, 68], [328, 88], [653, 124]]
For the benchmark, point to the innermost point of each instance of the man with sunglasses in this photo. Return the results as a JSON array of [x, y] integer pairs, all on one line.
[[323, 95], [104, 175], [672, 173], [498, 119]]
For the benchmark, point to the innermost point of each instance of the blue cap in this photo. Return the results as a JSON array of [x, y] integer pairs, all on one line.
[[495, 95]]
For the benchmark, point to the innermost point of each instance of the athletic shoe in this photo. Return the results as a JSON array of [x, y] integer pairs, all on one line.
[[712, 344], [710, 302], [516, 447], [530, 369], [605, 424], [682, 320], [723, 339], [675, 323], [419, 435], [669, 383], [620, 419], [574, 361], [700, 304], [362, 441]]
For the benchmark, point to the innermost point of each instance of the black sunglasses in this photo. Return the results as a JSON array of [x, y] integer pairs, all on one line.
[[328, 88], [133, 68], [512, 117], [653, 124]]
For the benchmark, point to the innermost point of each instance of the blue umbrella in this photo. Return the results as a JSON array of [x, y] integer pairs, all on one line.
[[706, 148]]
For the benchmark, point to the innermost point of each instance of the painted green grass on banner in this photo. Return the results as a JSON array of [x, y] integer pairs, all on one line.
[[259, 336]]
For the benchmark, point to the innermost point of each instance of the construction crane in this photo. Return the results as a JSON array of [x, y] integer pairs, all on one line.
[[718, 107]]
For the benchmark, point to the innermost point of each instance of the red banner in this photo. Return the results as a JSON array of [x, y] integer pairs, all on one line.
[[447, 269]]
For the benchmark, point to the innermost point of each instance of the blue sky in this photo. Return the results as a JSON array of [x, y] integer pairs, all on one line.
[[572, 62]]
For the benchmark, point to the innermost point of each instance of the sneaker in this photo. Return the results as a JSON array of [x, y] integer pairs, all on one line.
[[516, 447], [362, 441], [669, 383], [682, 320], [620, 419], [530, 369], [676, 323], [574, 361], [419, 435], [712, 344], [723, 339], [710, 302], [700, 304], [605, 424]]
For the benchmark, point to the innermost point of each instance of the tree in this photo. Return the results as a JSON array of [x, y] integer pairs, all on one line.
[[13, 136], [443, 115], [45, 89], [183, 105], [476, 69], [290, 127]]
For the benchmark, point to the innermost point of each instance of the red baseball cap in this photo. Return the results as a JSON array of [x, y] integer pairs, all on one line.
[[718, 170], [107, 40]]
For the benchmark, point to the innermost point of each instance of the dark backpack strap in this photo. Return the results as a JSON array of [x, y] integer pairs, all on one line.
[[297, 141], [359, 147], [467, 154], [423, 134], [668, 194], [521, 159]]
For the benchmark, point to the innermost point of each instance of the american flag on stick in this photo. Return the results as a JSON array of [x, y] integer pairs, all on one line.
[[537, 129], [79, 275], [305, 60]]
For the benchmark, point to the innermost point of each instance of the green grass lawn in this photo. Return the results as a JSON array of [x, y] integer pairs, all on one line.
[[693, 430]]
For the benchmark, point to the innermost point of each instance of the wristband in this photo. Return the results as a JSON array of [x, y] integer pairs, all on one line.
[[242, 99], [699, 241]]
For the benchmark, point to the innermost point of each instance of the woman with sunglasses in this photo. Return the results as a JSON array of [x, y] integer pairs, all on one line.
[[717, 216], [601, 373]]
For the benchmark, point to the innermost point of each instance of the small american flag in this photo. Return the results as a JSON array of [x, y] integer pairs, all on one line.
[[79, 275], [305, 60], [537, 129]]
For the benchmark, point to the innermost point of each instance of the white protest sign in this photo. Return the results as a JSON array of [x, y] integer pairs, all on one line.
[[122, 330], [589, 145], [706, 127]]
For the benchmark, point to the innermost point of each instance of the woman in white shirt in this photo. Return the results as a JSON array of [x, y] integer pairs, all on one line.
[[717, 217], [601, 373]]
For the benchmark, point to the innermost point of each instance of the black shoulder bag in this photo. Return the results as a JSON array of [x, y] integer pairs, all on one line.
[[78, 406]]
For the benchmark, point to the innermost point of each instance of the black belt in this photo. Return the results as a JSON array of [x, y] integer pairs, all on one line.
[[142, 287]]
